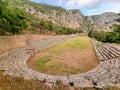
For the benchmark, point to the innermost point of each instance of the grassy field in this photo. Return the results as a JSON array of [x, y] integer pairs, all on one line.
[[76, 43], [71, 57]]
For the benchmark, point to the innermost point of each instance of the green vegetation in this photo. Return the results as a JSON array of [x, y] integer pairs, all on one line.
[[81, 43], [58, 30], [12, 19], [76, 43], [15, 20], [113, 37], [99, 35], [43, 65], [118, 19], [42, 61], [50, 62], [56, 66], [44, 8], [110, 37]]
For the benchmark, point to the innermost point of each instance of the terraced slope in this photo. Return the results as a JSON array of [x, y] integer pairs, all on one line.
[[107, 73]]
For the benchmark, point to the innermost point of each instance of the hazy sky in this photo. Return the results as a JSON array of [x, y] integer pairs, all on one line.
[[88, 7]]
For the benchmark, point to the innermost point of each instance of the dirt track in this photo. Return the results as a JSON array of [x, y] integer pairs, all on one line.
[[106, 73]]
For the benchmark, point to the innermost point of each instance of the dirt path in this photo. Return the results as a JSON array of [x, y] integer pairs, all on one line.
[[107, 73]]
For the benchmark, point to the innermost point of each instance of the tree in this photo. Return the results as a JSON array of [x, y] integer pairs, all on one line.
[[12, 20]]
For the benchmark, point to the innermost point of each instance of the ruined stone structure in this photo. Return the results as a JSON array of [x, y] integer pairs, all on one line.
[[107, 73]]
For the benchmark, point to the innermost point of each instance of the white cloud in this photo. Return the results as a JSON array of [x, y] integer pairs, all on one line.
[[80, 3], [105, 7], [94, 6], [91, 6]]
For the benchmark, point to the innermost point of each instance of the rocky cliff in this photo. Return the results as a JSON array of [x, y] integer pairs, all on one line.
[[27, 15], [104, 21], [59, 16]]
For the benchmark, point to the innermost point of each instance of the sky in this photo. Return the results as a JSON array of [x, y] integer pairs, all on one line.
[[87, 7]]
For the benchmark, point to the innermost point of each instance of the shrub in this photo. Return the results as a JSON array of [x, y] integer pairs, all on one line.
[[12, 20], [111, 37]]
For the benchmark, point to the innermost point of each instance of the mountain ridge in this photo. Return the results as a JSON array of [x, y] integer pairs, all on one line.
[[46, 18], [62, 16], [105, 21]]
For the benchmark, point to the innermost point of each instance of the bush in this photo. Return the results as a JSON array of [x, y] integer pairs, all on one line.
[[12, 20], [54, 28], [109, 37], [99, 35]]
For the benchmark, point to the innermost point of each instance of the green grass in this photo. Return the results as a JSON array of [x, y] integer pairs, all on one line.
[[43, 64], [43, 60], [40, 63], [55, 66], [76, 43], [79, 42]]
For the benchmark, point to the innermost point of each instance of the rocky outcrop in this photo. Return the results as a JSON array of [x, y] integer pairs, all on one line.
[[69, 18], [104, 21], [107, 73]]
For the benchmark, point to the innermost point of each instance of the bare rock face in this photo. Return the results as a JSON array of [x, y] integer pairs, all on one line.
[[69, 18], [104, 21]]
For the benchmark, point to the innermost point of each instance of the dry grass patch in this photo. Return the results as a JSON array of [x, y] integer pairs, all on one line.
[[16, 41], [18, 83], [10, 42], [71, 57]]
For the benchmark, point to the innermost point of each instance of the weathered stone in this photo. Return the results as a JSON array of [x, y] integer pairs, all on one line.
[[107, 72]]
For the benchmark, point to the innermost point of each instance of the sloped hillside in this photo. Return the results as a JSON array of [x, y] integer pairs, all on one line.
[[25, 16], [104, 21], [58, 15]]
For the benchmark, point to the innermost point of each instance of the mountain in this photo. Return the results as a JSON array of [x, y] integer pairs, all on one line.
[[59, 16], [104, 21], [25, 16]]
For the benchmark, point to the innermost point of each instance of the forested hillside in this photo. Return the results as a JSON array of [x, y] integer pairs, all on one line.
[[12, 19], [112, 36], [24, 16]]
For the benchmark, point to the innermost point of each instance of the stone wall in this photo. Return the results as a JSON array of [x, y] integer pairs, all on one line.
[[107, 73]]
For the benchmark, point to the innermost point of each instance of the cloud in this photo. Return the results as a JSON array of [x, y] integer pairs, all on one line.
[[91, 6], [81, 3], [104, 6]]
